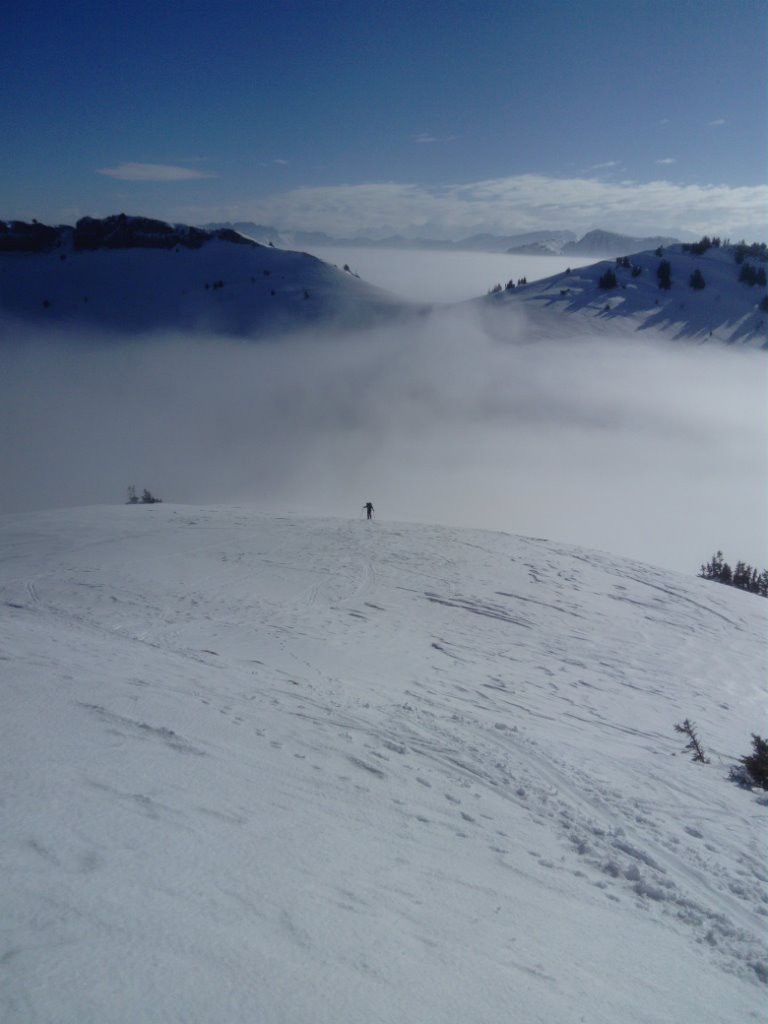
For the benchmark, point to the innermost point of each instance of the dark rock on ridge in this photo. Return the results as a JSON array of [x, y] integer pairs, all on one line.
[[116, 232], [18, 236], [121, 232]]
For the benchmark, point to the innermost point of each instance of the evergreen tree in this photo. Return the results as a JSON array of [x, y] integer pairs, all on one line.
[[757, 251], [748, 274], [740, 575], [607, 280], [743, 576], [664, 274], [697, 280], [700, 247], [756, 763], [712, 569], [694, 743]]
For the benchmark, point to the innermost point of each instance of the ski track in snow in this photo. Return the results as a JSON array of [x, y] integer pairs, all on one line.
[[328, 770]]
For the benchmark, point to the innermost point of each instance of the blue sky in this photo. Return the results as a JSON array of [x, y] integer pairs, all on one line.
[[435, 117]]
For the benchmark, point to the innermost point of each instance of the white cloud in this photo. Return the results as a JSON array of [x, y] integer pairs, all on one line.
[[717, 122], [426, 138], [606, 165], [276, 161], [521, 203], [152, 172], [667, 160], [633, 447]]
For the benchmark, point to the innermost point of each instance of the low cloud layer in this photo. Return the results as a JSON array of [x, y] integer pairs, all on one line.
[[524, 202], [650, 450], [433, 276]]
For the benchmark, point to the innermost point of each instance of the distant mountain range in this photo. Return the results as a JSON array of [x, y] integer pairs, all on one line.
[[530, 243], [474, 243]]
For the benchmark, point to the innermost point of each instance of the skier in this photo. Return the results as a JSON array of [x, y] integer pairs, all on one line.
[[368, 510]]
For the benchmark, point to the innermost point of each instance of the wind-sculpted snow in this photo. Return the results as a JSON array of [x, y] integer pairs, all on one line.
[[283, 769]]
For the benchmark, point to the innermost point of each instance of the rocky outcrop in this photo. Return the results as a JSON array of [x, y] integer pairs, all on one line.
[[117, 232], [18, 236], [122, 232]]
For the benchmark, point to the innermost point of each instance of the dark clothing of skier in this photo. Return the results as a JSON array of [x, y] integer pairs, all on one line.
[[368, 510]]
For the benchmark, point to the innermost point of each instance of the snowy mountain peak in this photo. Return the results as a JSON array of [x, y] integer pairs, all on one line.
[[608, 243]]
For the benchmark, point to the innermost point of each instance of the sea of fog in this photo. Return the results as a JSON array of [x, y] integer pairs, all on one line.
[[647, 448], [432, 276]]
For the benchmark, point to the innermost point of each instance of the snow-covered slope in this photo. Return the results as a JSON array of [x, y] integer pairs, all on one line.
[[224, 285], [278, 769], [725, 309]]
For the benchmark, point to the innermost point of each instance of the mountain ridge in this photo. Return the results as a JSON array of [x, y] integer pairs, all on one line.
[[119, 231], [140, 274], [625, 296], [607, 243]]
